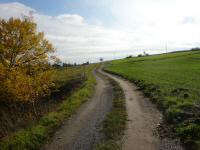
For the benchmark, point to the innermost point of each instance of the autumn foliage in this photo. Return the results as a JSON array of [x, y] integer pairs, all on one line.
[[25, 73]]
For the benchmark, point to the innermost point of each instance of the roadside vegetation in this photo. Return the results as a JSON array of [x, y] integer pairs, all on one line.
[[36, 93], [17, 115], [25, 73], [39, 133], [172, 82], [115, 122]]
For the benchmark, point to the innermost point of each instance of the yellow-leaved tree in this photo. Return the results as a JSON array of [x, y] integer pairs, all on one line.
[[25, 73]]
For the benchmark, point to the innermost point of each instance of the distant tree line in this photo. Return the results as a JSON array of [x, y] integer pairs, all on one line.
[[139, 55], [65, 65], [195, 49]]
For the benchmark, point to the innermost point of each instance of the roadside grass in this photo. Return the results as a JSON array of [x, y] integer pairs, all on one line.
[[37, 135], [64, 76], [115, 122], [17, 115], [172, 81]]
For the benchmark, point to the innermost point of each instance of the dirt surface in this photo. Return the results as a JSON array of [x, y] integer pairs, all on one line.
[[82, 130], [143, 120]]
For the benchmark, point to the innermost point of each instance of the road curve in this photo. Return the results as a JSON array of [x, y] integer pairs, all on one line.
[[143, 118], [81, 131]]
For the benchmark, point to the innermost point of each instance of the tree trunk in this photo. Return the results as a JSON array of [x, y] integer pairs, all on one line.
[[34, 110]]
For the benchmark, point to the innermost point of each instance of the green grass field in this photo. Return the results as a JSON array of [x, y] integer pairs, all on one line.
[[172, 81]]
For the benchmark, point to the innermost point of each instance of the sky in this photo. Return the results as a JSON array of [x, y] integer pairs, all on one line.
[[85, 30]]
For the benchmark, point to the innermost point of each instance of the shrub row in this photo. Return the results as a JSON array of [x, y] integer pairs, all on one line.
[[37, 135]]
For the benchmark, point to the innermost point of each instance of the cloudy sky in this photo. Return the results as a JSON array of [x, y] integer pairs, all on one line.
[[83, 30]]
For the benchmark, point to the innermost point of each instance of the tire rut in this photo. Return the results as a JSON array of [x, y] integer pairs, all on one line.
[[143, 120], [82, 130]]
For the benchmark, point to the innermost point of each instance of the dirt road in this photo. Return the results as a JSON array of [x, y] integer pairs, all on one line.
[[143, 118], [81, 132]]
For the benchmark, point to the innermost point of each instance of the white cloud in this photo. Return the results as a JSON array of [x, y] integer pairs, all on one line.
[[14, 9], [174, 21], [75, 39], [140, 25]]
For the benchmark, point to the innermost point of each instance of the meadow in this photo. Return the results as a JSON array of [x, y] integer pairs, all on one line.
[[172, 81]]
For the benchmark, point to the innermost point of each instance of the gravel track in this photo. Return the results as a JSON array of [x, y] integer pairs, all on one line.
[[82, 130], [143, 120]]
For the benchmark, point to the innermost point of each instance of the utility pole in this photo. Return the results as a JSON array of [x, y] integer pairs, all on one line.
[[114, 55], [166, 47]]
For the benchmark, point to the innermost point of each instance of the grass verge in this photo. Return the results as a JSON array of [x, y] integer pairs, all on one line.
[[37, 135], [115, 122]]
